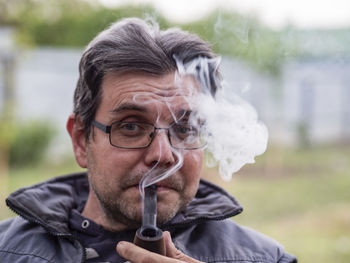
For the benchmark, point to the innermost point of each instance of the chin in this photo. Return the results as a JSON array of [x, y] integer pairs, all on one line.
[[167, 210]]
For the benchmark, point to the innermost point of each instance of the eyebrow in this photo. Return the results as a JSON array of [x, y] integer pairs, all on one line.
[[186, 114], [129, 107], [183, 114], [179, 114]]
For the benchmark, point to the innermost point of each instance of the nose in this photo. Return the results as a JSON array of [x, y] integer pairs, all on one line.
[[160, 152]]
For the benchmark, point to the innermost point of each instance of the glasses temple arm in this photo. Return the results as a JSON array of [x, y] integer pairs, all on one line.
[[102, 127]]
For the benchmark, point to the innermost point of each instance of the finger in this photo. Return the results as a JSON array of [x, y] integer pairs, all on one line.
[[173, 252], [136, 254]]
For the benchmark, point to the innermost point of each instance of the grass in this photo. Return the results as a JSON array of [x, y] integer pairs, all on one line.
[[299, 197], [309, 216]]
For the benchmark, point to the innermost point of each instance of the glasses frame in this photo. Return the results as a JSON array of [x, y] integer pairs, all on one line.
[[107, 129]]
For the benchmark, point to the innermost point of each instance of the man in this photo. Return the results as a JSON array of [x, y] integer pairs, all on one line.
[[132, 117]]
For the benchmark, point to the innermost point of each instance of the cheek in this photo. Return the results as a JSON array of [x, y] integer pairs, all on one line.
[[192, 166], [113, 163], [193, 160]]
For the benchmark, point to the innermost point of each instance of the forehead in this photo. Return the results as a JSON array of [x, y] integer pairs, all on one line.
[[147, 90]]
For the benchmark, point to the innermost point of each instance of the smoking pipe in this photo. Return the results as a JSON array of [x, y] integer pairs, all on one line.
[[149, 236]]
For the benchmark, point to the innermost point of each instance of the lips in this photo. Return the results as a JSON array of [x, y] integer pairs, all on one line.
[[161, 186], [164, 187], [173, 182]]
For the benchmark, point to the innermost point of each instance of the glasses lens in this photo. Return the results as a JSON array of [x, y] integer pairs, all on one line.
[[131, 134], [185, 136]]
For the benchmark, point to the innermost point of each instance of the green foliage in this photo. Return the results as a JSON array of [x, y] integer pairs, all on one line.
[[70, 23], [6, 133], [241, 37], [73, 23], [30, 142]]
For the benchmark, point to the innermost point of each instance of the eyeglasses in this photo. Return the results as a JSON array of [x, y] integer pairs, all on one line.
[[137, 135]]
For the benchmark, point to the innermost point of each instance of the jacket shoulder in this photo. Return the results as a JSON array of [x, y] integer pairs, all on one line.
[[23, 240], [226, 241]]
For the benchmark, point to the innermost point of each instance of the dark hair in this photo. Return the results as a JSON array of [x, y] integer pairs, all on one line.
[[132, 45]]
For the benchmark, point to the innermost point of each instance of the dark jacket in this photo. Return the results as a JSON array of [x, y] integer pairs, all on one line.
[[204, 231]]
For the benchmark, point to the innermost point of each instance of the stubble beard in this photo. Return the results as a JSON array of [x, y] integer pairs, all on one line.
[[118, 208], [129, 213]]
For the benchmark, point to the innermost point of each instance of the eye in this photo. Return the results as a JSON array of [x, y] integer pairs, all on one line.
[[185, 130], [130, 129], [129, 126]]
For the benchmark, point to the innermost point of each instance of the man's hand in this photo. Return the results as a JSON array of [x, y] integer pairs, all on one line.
[[136, 254]]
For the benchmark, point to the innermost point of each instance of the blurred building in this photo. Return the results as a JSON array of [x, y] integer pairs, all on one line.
[[45, 83], [7, 68], [308, 103]]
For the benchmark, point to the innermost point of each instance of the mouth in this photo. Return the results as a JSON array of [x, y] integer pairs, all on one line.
[[173, 183], [164, 187], [161, 187]]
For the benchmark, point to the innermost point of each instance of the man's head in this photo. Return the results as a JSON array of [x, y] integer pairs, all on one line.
[[132, 45], [129, 80]]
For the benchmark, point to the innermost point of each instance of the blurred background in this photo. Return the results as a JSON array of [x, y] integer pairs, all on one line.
[[290, 60]]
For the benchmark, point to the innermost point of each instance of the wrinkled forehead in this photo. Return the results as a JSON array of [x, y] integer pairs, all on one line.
[[166, 94], [178, 91]]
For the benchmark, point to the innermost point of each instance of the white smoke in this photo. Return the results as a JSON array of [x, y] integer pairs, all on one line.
[[235, 136], [155, 175], [234, 133]]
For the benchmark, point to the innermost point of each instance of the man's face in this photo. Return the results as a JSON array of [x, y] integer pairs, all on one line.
[[115, 173]]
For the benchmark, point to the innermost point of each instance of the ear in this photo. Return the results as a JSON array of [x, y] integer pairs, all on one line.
[[75, 129]]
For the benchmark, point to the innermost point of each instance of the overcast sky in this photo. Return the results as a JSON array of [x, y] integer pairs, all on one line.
[[275, 13]]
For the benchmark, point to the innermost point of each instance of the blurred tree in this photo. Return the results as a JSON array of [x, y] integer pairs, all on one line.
[[30, 142], [6, 118], [241, 37], [70, 23], [74, 23]]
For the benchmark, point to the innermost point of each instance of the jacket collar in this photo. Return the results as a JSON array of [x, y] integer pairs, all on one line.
[[49, 203], [210, 203]]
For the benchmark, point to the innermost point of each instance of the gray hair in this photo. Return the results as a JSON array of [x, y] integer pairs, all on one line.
[[132, 45]]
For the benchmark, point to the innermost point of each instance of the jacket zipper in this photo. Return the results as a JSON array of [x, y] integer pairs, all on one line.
[[38, 222]]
